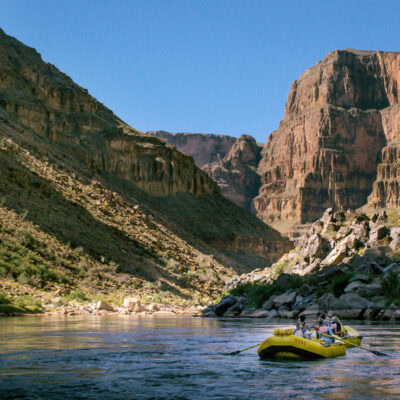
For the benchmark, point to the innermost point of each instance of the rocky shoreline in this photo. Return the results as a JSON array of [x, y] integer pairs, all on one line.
[[131, 306], [347, 264]]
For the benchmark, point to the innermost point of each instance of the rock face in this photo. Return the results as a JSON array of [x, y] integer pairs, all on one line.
[[386, 188], [340, 266], [204, 148], [49, 103], [339, 115], [53, 131], [236, 174]]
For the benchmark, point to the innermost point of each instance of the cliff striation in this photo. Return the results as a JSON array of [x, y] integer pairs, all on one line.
[[326, 150], [236, 174], [102, 207], [203, 147]]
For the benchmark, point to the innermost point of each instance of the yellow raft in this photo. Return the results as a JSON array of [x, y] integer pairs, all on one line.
[[285, 345], [351, 336]]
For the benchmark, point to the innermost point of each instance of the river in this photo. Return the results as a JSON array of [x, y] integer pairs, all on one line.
[[121, 357]]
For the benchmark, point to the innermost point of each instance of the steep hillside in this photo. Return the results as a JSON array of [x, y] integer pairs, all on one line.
[[339, 115], [104, 207]]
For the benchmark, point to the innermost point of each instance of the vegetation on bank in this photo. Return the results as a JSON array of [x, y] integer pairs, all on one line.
[[259, 292], [69, 233]]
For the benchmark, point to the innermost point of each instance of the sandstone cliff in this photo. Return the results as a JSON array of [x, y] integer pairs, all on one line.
[[236, 174], [326, 150], [386, 188], [204, 148], [139, 213]]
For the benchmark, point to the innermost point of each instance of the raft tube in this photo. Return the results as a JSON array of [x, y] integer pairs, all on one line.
[[285, 345], [352, 336]]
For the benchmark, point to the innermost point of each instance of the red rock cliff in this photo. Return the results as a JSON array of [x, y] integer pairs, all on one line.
[[236, 174], [326, 150], [203, 147]]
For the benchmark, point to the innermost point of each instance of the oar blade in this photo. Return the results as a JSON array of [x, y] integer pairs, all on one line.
[[234, 353], [379, 353]]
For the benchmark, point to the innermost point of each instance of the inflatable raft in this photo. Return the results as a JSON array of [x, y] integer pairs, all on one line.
[[284, 345], [351, 336]]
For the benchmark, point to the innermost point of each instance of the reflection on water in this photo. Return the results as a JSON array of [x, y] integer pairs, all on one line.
[[114, 357]]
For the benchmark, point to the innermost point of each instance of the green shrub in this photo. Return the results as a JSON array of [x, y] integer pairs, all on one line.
[[4, 299], [77, 295], [28, 304], [257, 293], [339, 283], [391, 288]]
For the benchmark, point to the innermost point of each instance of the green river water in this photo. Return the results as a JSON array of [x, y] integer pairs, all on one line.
[[122, 357]]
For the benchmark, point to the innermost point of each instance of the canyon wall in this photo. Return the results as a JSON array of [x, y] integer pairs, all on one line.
[[203, 147], [55, 120], [326, 150], [236, 174]]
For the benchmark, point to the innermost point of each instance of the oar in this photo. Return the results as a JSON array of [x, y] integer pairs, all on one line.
[[376, 352], [239, 351]]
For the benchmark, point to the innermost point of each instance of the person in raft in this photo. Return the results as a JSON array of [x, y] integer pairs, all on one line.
[[322, 326], [302, 326]]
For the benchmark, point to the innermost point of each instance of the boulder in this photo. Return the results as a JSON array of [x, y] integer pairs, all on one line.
[[372, 313], [373, 289], [350, 241], [288, 314], [353, 286], [329, 272], [245, 313], [339, 216], [224, 305], [336, 255], [378, 233], [310, 268], [327, 216], [103, 305], [269, 304], [272, 314], [315, 246], [389, 312], [209, 311], [282, 310], [259, 313], [361, 231], [396, 315], [236, 309], [153, 307], [303, 303], [353, 313], [360, 277], [395, 235], [350, 306], [305, 290], [131, 303], [326, 301], [288, 298], [391, 268], [358, 262], [311, 310]]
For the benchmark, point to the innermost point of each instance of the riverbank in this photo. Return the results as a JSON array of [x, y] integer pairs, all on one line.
[[347, 264], [25, 300]]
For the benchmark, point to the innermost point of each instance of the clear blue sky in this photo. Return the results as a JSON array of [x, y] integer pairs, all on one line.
[[218, 66]]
